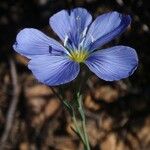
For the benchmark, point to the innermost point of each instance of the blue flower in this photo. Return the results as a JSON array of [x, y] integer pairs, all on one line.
[[53, 63]]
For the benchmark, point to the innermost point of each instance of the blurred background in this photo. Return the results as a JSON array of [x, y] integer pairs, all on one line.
[[32, 118]]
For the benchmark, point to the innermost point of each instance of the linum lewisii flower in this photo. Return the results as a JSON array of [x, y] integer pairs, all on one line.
[[53, 63]]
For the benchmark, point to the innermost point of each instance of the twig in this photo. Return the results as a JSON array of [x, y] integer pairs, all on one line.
[[13, 105]]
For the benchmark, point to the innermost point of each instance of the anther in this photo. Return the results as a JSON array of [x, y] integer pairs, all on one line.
[[78, 18], [50, 49]]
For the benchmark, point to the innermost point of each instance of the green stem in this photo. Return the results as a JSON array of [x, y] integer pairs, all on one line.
[[85, 134], [82, 114], [80, 131], [77, 128]]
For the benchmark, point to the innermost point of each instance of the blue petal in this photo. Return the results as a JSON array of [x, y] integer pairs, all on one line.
[[60, 23], [80, 20], [73, 25], [105, 28], [113, 63], [53, 70], [31, 42]]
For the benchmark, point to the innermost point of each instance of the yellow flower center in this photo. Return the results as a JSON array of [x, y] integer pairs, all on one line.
[[79, 56]]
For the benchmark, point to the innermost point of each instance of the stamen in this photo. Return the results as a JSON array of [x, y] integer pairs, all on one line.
[[81, 44], [66, 40], [84, 32], [92, 38]]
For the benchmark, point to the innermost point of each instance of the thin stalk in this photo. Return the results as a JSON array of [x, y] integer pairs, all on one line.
[[85, 135], [78, 129], [84, 131]]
